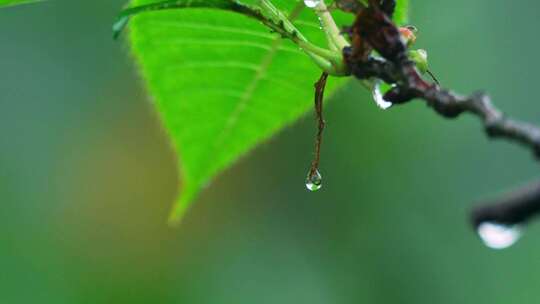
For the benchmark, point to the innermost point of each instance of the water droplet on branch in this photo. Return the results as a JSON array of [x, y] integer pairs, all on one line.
[[314, 181], [378, 96], [311, 3], [498, 236]]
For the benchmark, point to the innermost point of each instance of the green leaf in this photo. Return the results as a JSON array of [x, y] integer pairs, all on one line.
[[401, 14], [222, 83], [4, 3]]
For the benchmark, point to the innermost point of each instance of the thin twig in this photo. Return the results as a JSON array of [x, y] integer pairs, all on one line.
[[319, 96], [410, 85]]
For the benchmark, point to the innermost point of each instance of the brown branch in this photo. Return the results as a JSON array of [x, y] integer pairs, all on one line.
[[319, 96], [374, 29], [410, 85]]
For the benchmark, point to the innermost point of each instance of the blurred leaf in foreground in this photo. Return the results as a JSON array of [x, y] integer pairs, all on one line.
[[4, 3]]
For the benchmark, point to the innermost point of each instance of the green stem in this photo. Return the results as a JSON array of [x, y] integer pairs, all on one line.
[[328, 60], [332, 56], [331, 30]]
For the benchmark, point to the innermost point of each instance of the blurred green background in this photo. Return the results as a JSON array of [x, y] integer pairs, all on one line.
[[87, 178]]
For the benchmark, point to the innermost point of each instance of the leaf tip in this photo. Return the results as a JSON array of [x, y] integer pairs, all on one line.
[[180, 207]]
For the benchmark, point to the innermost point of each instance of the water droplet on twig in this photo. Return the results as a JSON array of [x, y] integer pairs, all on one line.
[[314, 181], [378, 96], [498, 236]]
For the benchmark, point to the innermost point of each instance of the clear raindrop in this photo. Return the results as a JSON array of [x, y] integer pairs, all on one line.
[[314, 181], [378, 96], [498, 236], [311, 3]]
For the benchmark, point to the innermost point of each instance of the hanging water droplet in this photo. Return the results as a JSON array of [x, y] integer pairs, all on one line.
[[311, 3], [378, 96], [498, 236], [314, 181]]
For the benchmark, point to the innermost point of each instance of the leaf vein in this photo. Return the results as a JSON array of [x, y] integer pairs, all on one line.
[[210, 27], [233, 43], [246, 65], [260, 74]]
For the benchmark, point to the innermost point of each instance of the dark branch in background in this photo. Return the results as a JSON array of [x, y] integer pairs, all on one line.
[[373, 29], [513, 208]]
